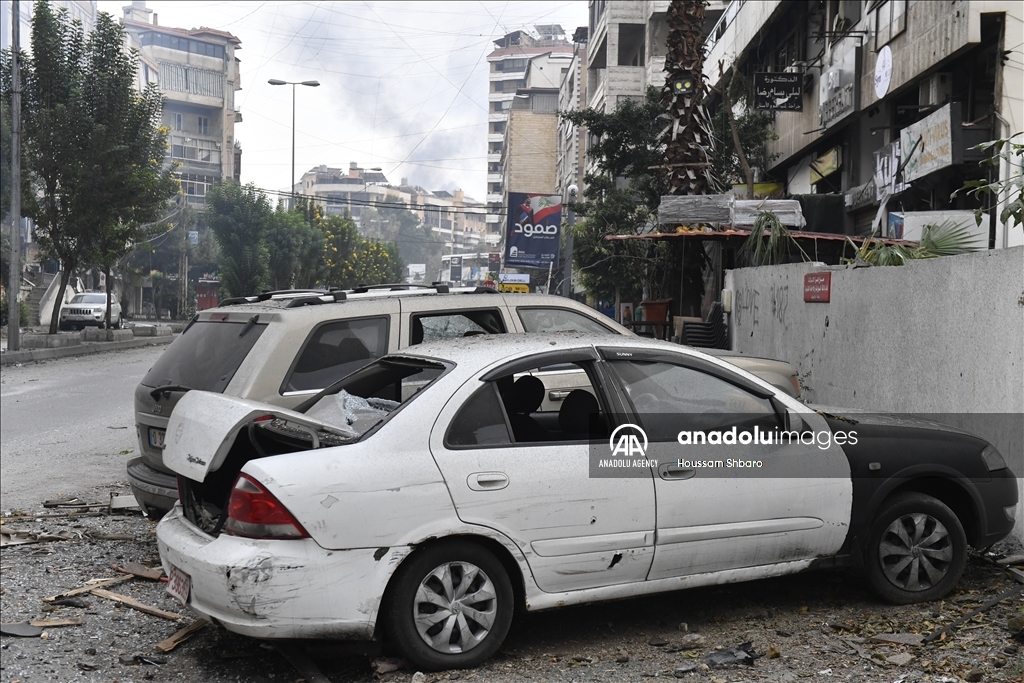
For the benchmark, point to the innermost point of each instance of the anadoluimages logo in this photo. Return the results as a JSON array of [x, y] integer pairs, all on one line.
[[628, 440]]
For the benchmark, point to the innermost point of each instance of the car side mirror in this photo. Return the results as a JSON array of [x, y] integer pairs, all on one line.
[[790, 419]]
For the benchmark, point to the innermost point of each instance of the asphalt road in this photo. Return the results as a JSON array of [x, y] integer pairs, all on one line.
[[67, 424]]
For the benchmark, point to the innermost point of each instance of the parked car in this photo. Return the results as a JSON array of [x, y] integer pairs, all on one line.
[[281, 348], [89, 309], [425, 498]]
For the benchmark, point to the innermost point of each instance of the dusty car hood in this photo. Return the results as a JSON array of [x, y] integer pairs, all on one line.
[[204, 425], [865, 418]]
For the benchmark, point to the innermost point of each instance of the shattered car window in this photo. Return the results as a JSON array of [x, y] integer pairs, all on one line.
[[355, 413]]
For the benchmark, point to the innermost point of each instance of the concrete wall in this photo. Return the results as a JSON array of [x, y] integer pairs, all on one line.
[[938, 336]]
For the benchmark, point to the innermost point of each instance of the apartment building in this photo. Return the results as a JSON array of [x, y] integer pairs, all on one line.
[[892, 96], [78, 10], [570, 157], [198, 74], [549, 52]]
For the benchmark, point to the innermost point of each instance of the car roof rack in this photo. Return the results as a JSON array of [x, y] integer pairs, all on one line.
[[295, 298], [439, 287]]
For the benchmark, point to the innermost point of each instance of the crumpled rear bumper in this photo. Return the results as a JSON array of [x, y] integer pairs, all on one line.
[[274, 588]]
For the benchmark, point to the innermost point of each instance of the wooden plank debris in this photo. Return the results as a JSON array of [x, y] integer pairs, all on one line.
[[970, 615], [52, 623], [180, 636], [135, 604], [141, 571], [90, 585]]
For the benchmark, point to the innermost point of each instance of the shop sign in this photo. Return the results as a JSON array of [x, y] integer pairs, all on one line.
[[934, 141], [837, 89], [779, 91], [861, 196], [827, 164], [888, 177]]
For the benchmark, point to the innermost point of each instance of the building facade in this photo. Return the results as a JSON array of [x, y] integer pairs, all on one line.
[[894, 93], [549, 52], [198, 74]]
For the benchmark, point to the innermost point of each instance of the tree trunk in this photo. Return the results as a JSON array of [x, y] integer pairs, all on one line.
[[748, 172], [65, 277]]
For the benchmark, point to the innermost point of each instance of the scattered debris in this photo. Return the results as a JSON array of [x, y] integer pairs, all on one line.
[[24, 537], [898, 638], [302, 663], [51, 623], [1011, 559], [180, 636], [901, 659], [622, 657], [773, 652], [974, 675], [385, 665], [684, 669], [21, 630], [970, 615], [86, 666], [135, 604], [741, 654], [91, 585], [110, 537], [71, 602], [122, 502], [148, 659], [141, 571], [419, 677], [691, 641], [657, 641]]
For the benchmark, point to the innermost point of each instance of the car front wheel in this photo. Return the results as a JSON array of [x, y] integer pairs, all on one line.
[[916, 551], [451, 607]]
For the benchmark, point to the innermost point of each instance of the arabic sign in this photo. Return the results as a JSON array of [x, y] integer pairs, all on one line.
[[520, 278], [883, 71], [861, 196], [937, 140], [534, 224], [455, 269], [779, 91], [193, 237], [818, 287], [837, 89]]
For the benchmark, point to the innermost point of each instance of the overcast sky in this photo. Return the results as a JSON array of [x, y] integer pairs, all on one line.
[[403, 85]]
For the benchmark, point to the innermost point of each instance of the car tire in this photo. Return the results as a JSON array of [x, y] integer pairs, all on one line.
[[916, 549], [421, 591]]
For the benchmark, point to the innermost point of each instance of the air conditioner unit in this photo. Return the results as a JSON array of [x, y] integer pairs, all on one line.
[[935, 89]]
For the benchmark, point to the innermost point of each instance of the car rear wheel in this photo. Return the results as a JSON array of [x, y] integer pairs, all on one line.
[[916, 549], [451, 607]]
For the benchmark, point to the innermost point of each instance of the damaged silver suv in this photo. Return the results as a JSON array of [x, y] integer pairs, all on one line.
[[283, 347]]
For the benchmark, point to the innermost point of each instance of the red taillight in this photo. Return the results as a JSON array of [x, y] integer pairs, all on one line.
[[254, 512]]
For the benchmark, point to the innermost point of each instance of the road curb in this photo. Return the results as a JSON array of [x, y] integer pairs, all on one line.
[[28, 355]]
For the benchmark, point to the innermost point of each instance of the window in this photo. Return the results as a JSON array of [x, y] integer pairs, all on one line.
[[480, 422], [427, 328], [195, 186], [515, 65], [335, 350], [891, 20], [669, 398], [559, 320], [191, 80], [497, 86], [496, 107], [498, 127], [206, 356], [204, 125], [176, 121]]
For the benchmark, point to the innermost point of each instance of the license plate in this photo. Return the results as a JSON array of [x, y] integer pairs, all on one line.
[[178, 585], [156, 437]]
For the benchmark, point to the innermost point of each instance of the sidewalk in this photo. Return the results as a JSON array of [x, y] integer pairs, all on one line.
[[84, 349]]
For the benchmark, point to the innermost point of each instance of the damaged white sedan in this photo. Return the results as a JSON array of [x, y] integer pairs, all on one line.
[[425, 496]]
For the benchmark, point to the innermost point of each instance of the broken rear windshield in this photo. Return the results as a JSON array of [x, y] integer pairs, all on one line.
[[205, 357]]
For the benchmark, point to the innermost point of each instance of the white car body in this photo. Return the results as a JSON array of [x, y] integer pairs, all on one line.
[[573, 538]]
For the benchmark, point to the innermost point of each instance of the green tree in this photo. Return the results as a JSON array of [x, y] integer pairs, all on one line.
[[752, 128], [621, 197], [56, 129], [125, 151], [342, 239], [375, 263], [240, 218], [296, 242]]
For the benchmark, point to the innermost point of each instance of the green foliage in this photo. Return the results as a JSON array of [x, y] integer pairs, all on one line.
[[1009, 190], [626, 146], [92, 146], [355, 260], [773, 249], [26, 315], [240, 219], [945, 239], [754, 128]]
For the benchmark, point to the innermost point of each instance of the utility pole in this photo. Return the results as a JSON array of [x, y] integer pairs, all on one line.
[[14, 282]]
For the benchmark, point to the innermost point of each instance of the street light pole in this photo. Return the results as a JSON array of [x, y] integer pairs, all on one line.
[[312, 84]]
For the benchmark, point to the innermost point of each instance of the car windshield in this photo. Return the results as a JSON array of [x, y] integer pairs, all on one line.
[[370, 395], [89, 299], [205, 357]]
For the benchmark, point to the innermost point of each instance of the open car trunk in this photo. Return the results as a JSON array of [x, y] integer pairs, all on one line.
[[212, 436]]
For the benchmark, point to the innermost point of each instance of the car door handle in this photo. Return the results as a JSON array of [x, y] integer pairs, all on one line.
[[557, 395], [487, 481], [671, 472]]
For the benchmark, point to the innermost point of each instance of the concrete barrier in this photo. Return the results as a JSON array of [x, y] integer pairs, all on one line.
[[50, 341], [941, 336], [94, 334], [151, 330]]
